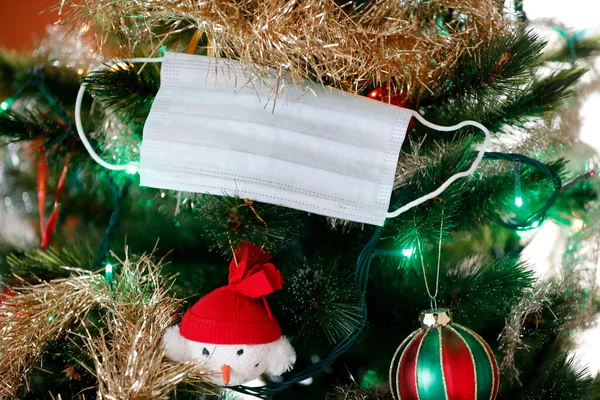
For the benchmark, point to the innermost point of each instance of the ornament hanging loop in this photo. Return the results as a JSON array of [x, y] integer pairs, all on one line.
[[433, 303], [432, 297]]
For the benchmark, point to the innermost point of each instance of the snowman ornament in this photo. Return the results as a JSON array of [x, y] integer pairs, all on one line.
[[231, 330]]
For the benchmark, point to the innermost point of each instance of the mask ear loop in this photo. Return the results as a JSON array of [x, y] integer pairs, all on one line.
[[114, 167], [454, 177]]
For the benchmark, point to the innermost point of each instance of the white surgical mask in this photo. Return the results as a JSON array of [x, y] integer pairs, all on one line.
[[214, 129]]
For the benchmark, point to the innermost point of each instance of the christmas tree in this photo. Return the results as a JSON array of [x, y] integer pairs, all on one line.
[[139, 273]]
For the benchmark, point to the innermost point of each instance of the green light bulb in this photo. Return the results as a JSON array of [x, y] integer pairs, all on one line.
[[519, 201], [408, 252], [6, 104], [108, 274], [369, 379]]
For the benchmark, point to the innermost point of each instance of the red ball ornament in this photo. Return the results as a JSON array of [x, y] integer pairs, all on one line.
[[443, 361], [6, 292], [383, 94]]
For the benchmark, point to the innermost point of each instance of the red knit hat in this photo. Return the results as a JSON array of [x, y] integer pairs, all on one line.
[[238, 313]]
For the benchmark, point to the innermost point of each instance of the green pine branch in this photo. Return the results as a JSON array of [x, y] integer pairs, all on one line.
[[320, 298], [356, 392], [542, 97], [473, 283], [539, 98], [493, 195], [562, 378], [16, 70], [126, 90], [479, 291], [490, 71], [489, 195], [445, 160], [228, 221], [24, 125], [48, 264]]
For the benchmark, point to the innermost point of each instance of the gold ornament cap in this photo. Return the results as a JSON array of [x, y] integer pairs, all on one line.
[[435, 318]]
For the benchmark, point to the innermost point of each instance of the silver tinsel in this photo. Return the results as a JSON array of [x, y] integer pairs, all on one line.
[[76, 50], [534, 300]]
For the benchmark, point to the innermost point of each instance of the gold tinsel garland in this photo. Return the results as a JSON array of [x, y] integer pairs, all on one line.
[[407, 44], [129, 362], [36, 315]]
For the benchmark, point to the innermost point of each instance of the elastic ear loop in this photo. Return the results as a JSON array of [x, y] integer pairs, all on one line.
[[114, 167], [454, 177]]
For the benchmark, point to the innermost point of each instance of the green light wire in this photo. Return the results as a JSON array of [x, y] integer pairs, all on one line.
[[363, 265], [533, 220]]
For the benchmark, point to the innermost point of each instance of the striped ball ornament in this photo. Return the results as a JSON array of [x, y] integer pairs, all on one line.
[[443, 361]]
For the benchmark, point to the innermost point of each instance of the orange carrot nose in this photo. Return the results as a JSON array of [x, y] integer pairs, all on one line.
[[226, 373]]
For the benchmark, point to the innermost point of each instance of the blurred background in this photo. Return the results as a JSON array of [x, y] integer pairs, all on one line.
[[24, 22]]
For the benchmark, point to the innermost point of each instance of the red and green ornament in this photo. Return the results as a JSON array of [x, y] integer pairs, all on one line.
[[443, 361]]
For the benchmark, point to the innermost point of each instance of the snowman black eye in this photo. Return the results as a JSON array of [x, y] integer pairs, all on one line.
[[256, 365], [205, 352], [240, 352]]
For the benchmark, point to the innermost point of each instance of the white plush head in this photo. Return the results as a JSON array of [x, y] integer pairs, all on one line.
[[242, 363]]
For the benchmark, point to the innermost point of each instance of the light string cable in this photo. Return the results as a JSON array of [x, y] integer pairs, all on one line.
[[537, 215], [363, 266], [132, 165], [113, 222]]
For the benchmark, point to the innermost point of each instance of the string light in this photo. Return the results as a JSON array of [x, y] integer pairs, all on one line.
[[533, 219], [577, 225], [369, 379], [523, 231], [519, 201], [408, 252], [6, 104], [108, 274], [518, 196]]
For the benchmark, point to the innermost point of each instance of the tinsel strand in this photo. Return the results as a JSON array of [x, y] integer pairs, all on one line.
[[128, 359], [511, 339], [347, 46]]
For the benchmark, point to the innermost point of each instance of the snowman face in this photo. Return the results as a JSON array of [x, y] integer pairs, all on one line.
[[237, 364], [231, 364]]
